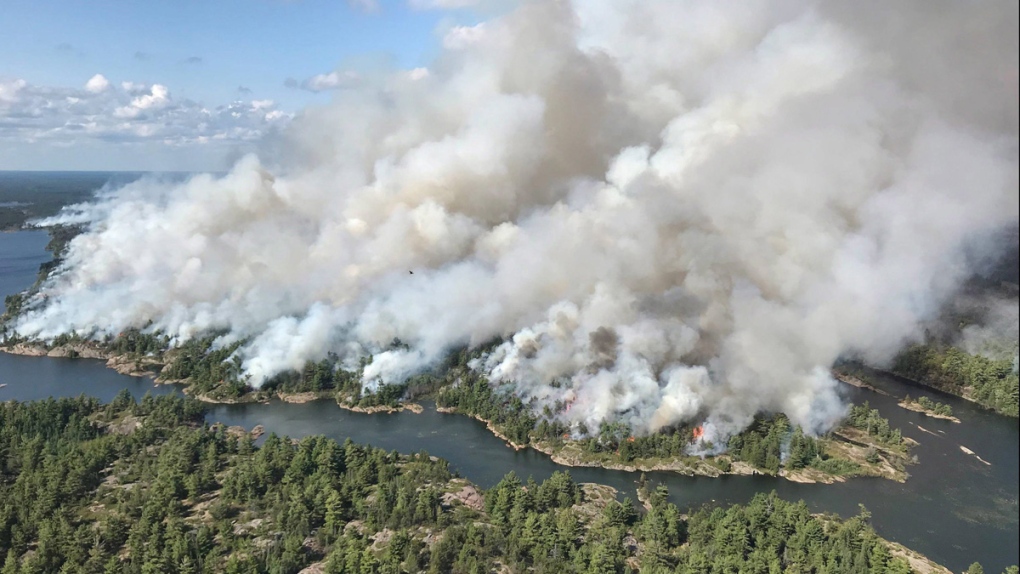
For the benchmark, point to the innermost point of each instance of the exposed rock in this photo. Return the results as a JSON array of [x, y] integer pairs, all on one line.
[[855, 382], [25, 349], [413, 407], [381, 538], [468, 496], [316, 568], [918, 563], [245, 527], [129, 425], [313, 545], [917, 408], [298, 398]]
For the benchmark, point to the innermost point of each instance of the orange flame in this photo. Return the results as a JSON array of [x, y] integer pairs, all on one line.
[[630, 439], [698, 432]]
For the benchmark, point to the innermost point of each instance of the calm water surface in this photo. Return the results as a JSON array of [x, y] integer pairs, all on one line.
[[954, 508], [21, 253]]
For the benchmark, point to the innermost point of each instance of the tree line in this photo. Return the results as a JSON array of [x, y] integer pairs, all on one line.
[[147, 486], [992, 383]]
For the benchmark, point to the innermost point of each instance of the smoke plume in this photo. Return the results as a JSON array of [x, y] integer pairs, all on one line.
[[668, 210]]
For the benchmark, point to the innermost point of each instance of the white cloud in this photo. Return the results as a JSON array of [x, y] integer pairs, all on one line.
[[157, 97], [9, 89], [125, 113], [460, 37], [97, 84], [418, 73], [330, 81]]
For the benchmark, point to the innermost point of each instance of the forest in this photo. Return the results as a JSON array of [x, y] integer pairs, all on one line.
[[760, 445], [147, 486], [992, 383], [214, 373]]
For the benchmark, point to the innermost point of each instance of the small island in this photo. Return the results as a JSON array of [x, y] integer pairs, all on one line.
[[928, 407]]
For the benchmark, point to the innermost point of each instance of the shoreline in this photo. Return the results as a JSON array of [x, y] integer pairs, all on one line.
[[380, 409], [123, 364], [704, 466], [965, 392], [917, 408], [150, 367], [488, 425], [853, 381]]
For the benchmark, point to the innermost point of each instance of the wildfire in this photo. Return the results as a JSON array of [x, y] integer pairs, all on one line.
[[699, 432], [630, 439]]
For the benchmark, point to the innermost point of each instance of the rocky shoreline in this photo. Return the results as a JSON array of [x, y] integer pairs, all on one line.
[[150, 367], [381, 409], [123, 364], [704, 467], [917, 408], [855, 382], [488, 425]]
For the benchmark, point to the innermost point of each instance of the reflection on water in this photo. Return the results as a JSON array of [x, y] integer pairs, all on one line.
[[953, 508], [21, 253]]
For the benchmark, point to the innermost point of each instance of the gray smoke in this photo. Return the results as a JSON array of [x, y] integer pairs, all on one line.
[[993, 324], [669, 210]]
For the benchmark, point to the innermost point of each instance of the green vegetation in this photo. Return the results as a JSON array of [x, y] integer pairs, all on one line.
[[930, 406], [472, 394], [872, 422], [989, 382], [207, 370], [213, 372], [147, 487], [761, 446]]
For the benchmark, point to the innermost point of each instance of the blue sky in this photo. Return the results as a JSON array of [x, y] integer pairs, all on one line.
[[259, 60]]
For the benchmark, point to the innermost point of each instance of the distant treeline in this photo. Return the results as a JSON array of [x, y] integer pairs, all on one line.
[[28, 195], [990, 382]]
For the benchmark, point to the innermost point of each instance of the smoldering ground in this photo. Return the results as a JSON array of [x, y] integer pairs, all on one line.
[[670, 209]]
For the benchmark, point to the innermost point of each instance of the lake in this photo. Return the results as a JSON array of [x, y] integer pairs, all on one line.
[[954, 508]]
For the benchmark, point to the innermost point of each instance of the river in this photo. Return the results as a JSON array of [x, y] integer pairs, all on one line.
[[954, 508]]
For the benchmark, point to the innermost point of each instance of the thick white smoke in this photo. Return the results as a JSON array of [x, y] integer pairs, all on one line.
[[669, 209]]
